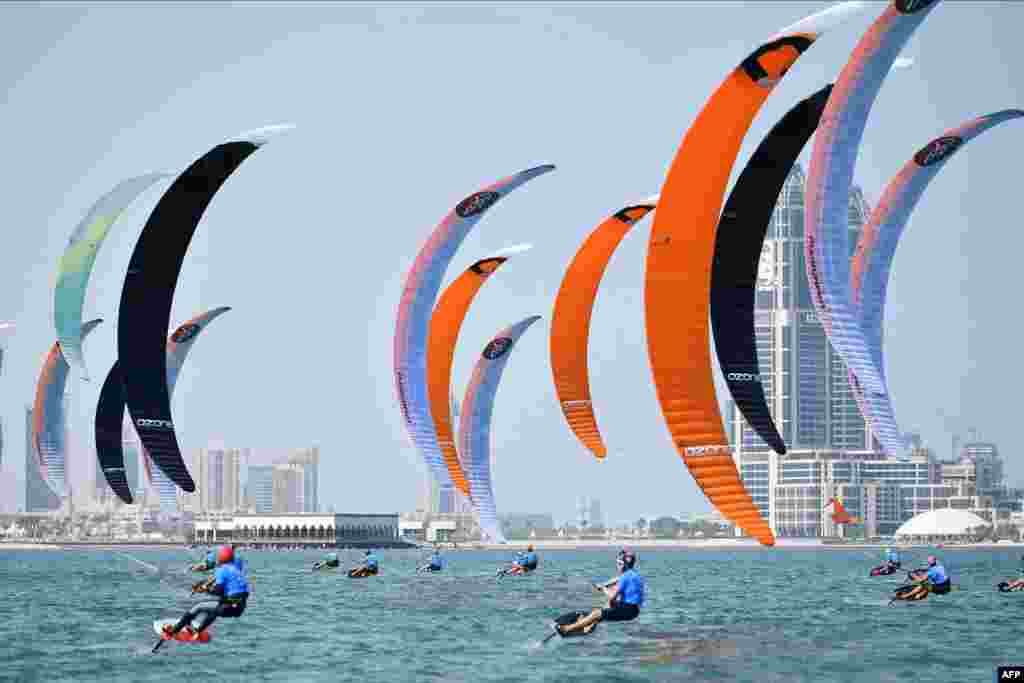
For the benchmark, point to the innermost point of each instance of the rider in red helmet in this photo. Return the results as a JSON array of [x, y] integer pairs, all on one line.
[[232, 589]]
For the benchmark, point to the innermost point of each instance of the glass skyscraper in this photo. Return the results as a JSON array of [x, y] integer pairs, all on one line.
[[804, 379], [5, 329], [132, 450], [261, 487], [218, 481]]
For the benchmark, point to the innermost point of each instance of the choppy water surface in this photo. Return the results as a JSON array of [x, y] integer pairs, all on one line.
[[747, 615]]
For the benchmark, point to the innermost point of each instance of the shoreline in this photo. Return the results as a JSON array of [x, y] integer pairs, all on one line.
[[552, 545], [728, 544]]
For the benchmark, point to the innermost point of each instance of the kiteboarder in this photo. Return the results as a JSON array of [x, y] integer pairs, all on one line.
[[1016, 584], [889, 565], [370, 566], [232, 589], [209, 564], [434, 564], [625, 598], [524, 562], [330, 561], [936, 581]]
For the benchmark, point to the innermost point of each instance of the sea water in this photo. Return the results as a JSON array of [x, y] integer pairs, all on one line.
[[739, 615]]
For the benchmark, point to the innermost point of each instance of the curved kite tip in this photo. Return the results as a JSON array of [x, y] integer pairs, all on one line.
[[538, 170], [520, 327], [902, 63], [1009, 113], [820, 22], [212, 314], [261, 136], [88, 326], [514, 249], [157, 176]]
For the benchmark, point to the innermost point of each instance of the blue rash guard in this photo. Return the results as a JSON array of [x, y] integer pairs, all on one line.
[[631, 588], [371, 561], [892, 556], [937, 575], [436, 562], [211, 560], [229, 581], [529, 560]]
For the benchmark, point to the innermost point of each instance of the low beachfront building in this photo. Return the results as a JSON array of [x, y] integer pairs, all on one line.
[[946, 525], [301, 528]]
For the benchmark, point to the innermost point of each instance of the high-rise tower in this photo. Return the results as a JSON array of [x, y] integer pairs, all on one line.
[[804, 379], [5, 330]]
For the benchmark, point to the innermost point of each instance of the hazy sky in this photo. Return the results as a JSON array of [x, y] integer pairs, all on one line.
[[403, 111]]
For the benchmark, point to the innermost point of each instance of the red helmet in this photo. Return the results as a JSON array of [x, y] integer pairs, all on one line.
[[225, 554]]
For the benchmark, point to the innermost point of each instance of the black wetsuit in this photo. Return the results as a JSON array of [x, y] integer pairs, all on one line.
[[228, 578], [206, 612]]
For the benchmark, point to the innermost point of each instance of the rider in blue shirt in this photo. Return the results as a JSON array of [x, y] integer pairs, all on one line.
[[625, 597], [232, 589], [434, 564], [523, 562], [892, 558], [936, 580], [330, 561], [529, 559], [369, 567]]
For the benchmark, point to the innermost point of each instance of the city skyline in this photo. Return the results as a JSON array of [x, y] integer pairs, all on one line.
[[267, 377]]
